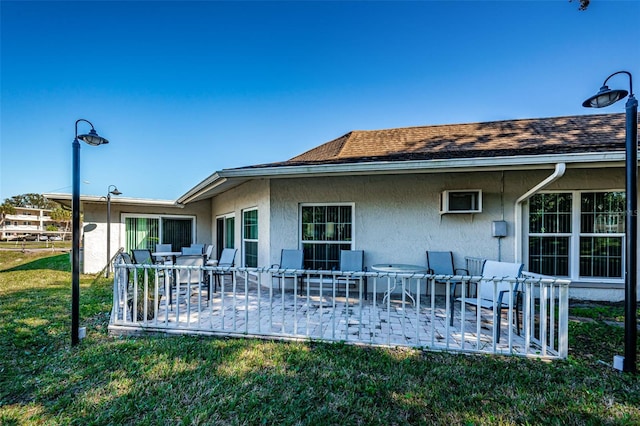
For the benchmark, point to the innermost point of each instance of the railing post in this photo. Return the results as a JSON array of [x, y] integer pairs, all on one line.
[[563, 321]]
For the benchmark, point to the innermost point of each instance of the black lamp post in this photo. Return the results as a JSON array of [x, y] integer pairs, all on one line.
[[90, 138], [110, 192], [604, 98]]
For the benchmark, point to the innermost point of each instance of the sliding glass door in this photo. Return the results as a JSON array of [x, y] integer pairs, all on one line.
[[145, 232]]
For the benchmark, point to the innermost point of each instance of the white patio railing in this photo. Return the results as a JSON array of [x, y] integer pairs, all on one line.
[[252, 302]]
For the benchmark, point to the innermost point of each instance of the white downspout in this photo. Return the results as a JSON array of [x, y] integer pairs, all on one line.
[[557, 174]]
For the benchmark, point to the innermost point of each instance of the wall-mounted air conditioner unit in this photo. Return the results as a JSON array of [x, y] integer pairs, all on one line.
[[461, 201]]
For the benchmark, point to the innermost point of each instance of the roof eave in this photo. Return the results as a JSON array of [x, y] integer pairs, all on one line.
[[65, 199], [224, 180]]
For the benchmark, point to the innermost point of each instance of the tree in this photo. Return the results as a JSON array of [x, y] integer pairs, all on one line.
[[5, 209], [61, 215], [30, 200]]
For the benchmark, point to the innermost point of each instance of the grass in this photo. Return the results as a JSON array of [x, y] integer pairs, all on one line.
[[193, 380]]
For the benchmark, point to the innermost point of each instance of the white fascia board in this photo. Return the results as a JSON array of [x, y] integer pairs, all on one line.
[[199, 191], [95, 199], [430, 166]]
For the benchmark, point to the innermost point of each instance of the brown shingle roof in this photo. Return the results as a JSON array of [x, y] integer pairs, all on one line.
[[558, 135]]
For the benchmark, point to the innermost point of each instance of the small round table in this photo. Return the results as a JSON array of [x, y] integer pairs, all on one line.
[[399, 268]]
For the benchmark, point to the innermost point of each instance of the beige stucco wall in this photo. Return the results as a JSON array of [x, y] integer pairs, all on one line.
[[95, 227], [253, 194], [397, 216]]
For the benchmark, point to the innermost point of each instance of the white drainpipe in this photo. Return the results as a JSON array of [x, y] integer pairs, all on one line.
[[557, 174]]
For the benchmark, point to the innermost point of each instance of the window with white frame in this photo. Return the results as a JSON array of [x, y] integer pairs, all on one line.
[[325, 230], [250, 237], [577, 234], [602, 228]]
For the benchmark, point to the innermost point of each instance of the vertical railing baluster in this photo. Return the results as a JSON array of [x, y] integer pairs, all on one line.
[[552, 316], [373, 311], [334, 317], [543, 318], [134, 316], [478, 313], [188, 293], [388, 310], [432, 289], [417, 343], [308, 304], [246, 301], [295, 303], [282, 284], [223, 307], [234, 286], [563, 321], [510, 316], [463, 296], [321, 292], [271, 303], [360, 307], [260, 275]]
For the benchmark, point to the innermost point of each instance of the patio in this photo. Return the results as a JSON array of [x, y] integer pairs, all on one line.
[[247, 305]]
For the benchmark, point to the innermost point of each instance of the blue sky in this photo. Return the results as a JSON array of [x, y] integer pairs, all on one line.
[[182, 89]]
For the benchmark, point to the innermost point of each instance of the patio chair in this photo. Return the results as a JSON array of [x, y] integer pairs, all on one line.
[[207, 253], [352, 261], [441, 263], [494, 270], [198, 247], [189, 278], [164, 260], [290, 260], [164, 247], [227, 258], [142, 256], [191, 251]]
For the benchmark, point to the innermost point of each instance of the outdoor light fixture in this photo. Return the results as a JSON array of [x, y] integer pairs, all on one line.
[[91, 138], [604, 98], [110, 192]]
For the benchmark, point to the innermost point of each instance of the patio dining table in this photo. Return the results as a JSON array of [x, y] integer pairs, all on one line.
[[398, 268]]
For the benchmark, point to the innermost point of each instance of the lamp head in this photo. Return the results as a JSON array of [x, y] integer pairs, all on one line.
[[604, 98], [115, 191], [92, 138]]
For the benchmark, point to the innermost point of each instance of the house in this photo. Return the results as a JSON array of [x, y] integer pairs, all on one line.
[[547, 192]]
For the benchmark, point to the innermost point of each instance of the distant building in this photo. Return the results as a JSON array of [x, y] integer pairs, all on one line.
[[29, 223]]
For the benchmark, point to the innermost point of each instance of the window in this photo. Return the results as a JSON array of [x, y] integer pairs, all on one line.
[[225, 233], [602, 228], [549, 233], [325, 230], [577, 234], [250, 237], [144, 232]]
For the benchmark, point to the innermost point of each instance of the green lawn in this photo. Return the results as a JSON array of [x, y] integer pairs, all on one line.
[[192, 380]]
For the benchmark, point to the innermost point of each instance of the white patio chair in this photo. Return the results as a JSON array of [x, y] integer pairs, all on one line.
[[493, 273]]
